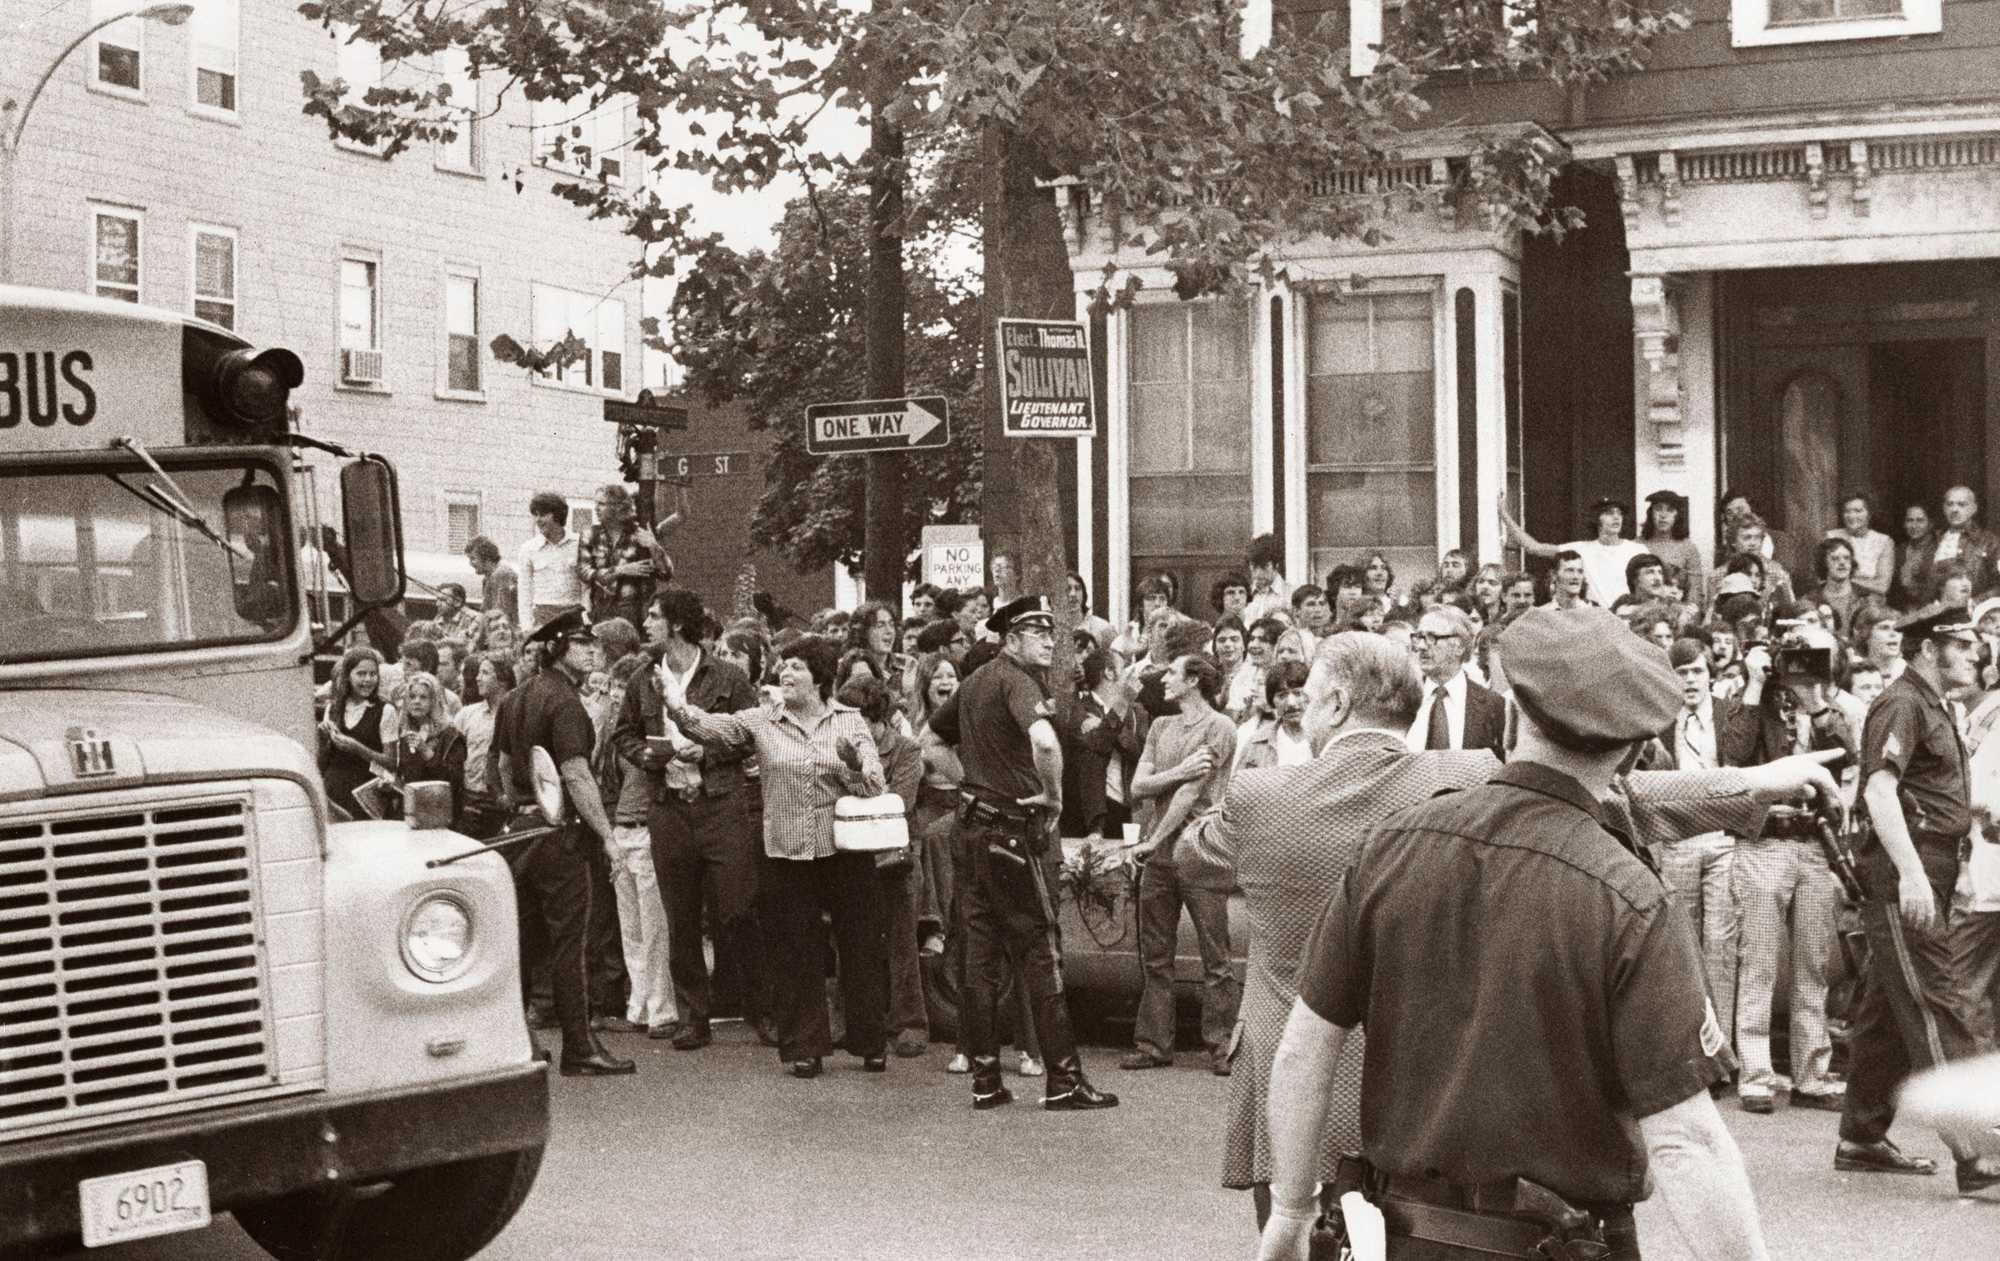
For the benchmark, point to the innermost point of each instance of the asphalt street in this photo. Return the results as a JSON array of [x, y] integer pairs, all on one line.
[[717, 1154]]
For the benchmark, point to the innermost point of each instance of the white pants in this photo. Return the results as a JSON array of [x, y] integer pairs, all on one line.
[[642, 926]]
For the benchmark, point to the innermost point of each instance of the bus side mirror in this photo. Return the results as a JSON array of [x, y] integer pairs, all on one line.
[[372, 517], [253, 518]]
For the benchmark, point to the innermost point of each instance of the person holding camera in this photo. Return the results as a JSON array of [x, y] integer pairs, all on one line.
[[1782, 884], [1916, 785]]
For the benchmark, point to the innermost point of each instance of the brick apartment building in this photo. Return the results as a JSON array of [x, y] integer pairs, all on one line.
[[172, 165], [1789, 283]]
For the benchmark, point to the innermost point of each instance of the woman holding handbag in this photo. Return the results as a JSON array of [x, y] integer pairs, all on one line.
[[811, 751]]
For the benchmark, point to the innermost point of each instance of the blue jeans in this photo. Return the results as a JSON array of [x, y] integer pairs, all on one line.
[[1163, 893]]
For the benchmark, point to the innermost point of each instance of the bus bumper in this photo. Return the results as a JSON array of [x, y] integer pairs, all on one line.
[[258, 1151]]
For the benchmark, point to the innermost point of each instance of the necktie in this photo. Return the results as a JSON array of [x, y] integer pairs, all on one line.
[[1440, 726]]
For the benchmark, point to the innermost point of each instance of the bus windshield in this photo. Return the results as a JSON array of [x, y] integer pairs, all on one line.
[[118, 559]]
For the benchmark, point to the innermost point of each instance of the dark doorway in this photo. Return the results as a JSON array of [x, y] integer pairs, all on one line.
[[1927, 400]]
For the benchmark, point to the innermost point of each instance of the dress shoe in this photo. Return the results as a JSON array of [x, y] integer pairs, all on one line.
[[615, 1024], [877, 1063], [1143, 1059], [805, 1068], [1824, 1100], [1977, 1175], [1880, 1156], [987, 1090], [662, 1032], [692, 1038], [1760, 1103], [909, 1045], [600, 1063]]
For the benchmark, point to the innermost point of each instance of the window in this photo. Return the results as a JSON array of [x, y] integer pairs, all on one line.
[[599, 323], [217, 24], [461, 332], [1756, 22], [214, 275], [586, 140], [1367, 21], [1188, 433], [360, 304], [360, 69], [115, 239], [1371, 426], [461, 520], [464, 151], [114, 63]]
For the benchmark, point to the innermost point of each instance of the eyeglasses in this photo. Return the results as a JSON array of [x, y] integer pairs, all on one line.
[[1423, 640]]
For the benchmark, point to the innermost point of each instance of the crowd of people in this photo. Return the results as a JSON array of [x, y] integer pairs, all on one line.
[[721, 742]]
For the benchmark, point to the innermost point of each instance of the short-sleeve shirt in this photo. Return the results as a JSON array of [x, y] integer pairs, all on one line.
[[997, 704], [1911, 732], [1529, 988], [1171, 741], [550, 715], [1604, 567]]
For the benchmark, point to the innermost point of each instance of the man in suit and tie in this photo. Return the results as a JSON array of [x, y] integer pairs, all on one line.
[[1699, 869], [1456, 712]]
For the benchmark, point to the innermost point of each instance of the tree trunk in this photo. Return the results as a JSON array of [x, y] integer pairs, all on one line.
[[1027, 277], [883, 545]]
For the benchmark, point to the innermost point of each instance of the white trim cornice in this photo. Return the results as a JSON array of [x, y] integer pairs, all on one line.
[[1738, 131]]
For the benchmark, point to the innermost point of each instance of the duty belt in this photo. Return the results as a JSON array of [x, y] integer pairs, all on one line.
[[1513, 1218], [978, 809]]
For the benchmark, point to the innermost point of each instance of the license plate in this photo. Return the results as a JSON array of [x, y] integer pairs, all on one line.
[[144, 1202]]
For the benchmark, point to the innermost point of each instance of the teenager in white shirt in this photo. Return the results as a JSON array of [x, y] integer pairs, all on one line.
[[1604, 556], [549, 581]]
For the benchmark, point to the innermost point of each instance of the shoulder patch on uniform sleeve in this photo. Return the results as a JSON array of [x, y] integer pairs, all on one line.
[[1712, 1040]]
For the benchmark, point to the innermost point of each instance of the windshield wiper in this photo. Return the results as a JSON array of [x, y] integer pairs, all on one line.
[[177, 505]]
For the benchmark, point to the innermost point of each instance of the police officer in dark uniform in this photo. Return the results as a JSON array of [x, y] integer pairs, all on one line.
[[1537, 1023], [1916, 787], [552, 876], [1002, 722]]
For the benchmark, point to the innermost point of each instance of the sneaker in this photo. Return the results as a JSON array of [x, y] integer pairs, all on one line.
[[1030, 1066], [959, 1064], [931, 946]]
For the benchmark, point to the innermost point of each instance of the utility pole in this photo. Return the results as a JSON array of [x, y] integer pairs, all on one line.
[[883, 545]]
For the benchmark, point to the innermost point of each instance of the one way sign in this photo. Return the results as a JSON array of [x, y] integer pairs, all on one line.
[[882, 424]]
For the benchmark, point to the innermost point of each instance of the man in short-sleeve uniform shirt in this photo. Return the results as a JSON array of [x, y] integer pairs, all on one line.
[[1915, 783], [1010, 797], [1535, 1004], [552, 877]]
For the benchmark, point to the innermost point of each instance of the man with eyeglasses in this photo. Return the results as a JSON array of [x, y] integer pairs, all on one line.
[[1457, 713]]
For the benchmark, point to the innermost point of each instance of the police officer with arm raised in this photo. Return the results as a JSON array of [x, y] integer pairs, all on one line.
[[1915, 782], [1539, 1043], [552, 878], [1001, 719]]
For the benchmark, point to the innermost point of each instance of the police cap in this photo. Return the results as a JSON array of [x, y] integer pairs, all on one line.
[[1586, 679], [1938, 620], [568, 624], [1029, 610]]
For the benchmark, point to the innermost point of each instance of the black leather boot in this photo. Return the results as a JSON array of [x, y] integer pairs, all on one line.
[[1068, 1090], [987, 1090]]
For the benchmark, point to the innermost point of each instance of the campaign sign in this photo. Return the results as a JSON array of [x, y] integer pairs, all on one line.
[[1045, 381]]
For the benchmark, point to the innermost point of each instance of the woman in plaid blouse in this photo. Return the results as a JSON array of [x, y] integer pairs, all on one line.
[[811, 752]]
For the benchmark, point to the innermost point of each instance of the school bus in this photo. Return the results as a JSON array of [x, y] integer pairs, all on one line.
[[214, 995]]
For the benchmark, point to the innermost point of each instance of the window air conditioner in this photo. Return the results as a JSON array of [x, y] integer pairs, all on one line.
[[361, 367]]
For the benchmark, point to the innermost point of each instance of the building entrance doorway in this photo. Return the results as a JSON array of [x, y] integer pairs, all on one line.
[[1880, 378]]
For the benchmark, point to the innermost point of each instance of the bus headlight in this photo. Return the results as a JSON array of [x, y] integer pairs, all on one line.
[[437, 937]]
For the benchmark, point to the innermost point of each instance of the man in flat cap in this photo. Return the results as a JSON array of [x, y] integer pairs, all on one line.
[[1537, 1024], [1001, 720], [1915, 784], [552, 877]]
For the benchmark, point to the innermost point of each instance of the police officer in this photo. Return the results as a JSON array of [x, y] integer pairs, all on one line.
[[1915, 785], [1537, 1020], [552, 877], [1002, 721]]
